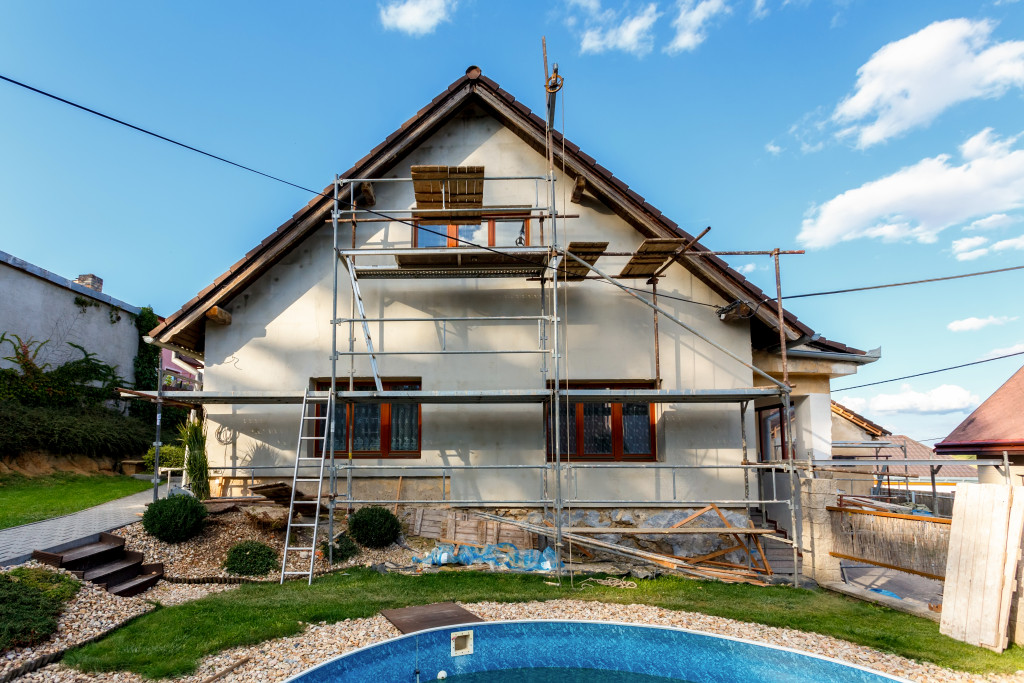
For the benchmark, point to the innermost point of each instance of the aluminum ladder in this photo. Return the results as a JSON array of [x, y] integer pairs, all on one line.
[[357, 295], [308, 432]]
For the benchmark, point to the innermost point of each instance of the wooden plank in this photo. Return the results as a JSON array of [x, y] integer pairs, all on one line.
[[422, 617], [650, 256], [852, 558], [895, 515], [578, 188], [1011, 559], [695, 515], [957, 560], [587, 251], [218, 315], [760, 551], [990, 548]]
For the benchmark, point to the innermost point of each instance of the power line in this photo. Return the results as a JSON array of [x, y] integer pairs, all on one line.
[[930, 372], [306, 189], [903, 284]]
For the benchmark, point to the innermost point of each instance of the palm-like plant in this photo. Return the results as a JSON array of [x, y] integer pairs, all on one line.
[[192, 434]]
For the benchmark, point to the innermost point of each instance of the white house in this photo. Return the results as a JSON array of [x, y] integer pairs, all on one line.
[[454, 249]]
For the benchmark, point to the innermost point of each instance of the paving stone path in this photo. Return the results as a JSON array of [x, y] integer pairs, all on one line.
[[17, 543]]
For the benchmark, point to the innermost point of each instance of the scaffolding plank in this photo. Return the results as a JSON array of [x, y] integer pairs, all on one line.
[[587, 251], [449, 187], [650, 256]]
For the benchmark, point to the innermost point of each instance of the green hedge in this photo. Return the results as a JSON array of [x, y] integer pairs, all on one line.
[[171, 455], [94, 432]]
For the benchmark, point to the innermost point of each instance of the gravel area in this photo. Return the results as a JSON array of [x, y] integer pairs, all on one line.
[[203, 556], [92, 612], [277, 660], [168, 594]]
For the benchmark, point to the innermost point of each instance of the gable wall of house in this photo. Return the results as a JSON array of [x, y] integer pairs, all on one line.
[[280, 338]]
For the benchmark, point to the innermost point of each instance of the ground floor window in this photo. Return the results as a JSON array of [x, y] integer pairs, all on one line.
[[773, 434], [378, 430], [612, 431]]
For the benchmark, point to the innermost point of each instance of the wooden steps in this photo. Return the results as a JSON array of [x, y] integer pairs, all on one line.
[[106, 563]]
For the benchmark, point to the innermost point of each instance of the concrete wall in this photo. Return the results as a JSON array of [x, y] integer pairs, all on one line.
[[36, 306], [280, 338]]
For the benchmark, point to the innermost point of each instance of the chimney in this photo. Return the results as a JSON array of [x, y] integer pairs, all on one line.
[[91, 281]]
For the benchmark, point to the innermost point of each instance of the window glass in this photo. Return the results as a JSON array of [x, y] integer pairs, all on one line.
[[636, 429], [597, 428], [432, 236], [366, 427], [405, 419], [475, 234], [510, 233]]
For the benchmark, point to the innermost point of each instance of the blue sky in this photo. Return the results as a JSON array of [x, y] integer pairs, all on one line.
[[883, 137]]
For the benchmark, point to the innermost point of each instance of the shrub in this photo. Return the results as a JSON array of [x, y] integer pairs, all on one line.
[[344, 549], [170, 456], [30, 602], [92, 432], [251, 558], [374, 527], [192, 435], [174, 519]]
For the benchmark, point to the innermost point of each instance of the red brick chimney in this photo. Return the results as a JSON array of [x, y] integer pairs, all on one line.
[[90, 281]]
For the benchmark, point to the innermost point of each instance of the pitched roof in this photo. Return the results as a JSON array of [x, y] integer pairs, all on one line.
[[918, 451], [186, 326], [859, 420], [996, 425]]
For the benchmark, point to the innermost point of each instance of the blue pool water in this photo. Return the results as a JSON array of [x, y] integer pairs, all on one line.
[[651, 653]]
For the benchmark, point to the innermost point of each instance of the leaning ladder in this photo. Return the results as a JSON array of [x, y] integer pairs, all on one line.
[[354, 281], [308, 432]]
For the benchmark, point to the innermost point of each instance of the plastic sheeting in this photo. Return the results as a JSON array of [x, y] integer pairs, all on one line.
[[495, 556]]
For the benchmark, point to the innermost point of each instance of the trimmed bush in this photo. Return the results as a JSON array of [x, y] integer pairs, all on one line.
[[93, 432], [374, 527], [30, 602], [174, 519], [344, 549], [170, 456], [251, 558]]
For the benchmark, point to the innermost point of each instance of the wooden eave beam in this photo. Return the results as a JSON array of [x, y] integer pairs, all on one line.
[[577, 189], [218, 315], [367, 195]]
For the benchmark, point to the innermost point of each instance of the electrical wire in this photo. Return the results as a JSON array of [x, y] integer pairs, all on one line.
[[904, 284], [930, 372], [270, 176]]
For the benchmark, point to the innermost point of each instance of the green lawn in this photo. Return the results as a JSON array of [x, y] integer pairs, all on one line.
[[24, 499], [171, 641]]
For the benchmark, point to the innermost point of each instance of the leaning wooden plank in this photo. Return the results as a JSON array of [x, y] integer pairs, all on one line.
[[739, 540], [987, 579], [760, 551], [956, 556], [1011, 557], [695, 515]]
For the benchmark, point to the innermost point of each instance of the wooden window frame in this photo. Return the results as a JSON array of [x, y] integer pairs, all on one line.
[[577, 420], [364, 384], [452, 231]]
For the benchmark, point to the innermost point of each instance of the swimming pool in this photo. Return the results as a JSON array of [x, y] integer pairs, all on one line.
[[558, 650]]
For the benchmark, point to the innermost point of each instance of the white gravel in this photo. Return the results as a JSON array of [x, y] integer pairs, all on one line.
[[92, 612], [279, 659]]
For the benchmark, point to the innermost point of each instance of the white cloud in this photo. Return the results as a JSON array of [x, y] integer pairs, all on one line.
[[1015, 243], [993, 222], [911, 81], [857, 405], [415, 17], [969, 248], [691, 23], [773, 149], [632, 34], [747, 269], [995, 353], [920, 201], [760, 10], [948, 398], [971, 324]]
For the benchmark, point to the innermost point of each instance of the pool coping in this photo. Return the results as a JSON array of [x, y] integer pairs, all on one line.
[[477, 624]]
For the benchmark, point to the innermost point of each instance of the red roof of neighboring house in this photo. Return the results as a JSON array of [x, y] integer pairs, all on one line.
[[995, 426], [918, 451], [186, 327]]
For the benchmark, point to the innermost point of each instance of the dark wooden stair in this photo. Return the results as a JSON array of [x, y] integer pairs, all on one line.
[[106, 563]]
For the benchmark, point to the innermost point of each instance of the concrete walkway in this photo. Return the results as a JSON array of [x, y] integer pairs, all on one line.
[[59, 533]]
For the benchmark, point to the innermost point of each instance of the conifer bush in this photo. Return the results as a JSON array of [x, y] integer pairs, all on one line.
[[374, 527], [174, 519], [251, 558]]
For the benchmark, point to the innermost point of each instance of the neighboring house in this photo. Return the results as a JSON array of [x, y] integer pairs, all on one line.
[[463, 334], [180, 372], [854, 436], [995, 428], [40, 305]]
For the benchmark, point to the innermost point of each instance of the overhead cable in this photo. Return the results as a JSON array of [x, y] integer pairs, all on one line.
[[903, 284], [930, 372]]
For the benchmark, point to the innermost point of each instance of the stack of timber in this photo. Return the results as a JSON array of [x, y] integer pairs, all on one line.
[[280, 493], [719, 571], [983, 564], [463, 528]]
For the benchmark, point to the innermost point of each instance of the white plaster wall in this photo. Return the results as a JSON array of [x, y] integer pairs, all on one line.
[[813, 418], [32, 307], [280, 338]]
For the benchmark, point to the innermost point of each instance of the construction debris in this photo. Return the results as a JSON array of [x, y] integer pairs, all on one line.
[[465, 528]]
